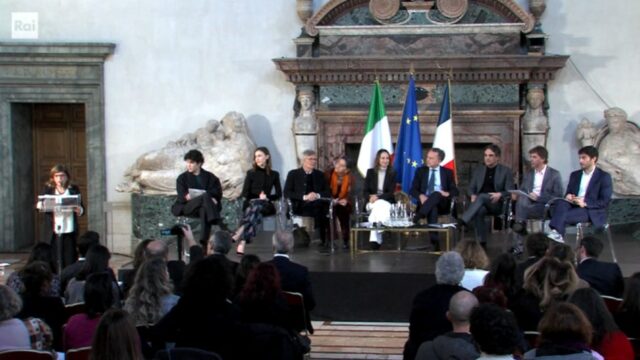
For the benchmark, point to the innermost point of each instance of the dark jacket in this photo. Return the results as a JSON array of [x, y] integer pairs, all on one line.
[[447, 183], [459, 346], [551, 184], [597, 196], [502, 181], [295, 187], [388, 188], [258, 181], [208, 182], [603, 276]]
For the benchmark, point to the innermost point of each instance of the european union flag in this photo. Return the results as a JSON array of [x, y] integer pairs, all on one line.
[[408, 154]]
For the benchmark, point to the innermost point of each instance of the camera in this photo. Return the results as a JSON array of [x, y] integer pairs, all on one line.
[[174, 230]]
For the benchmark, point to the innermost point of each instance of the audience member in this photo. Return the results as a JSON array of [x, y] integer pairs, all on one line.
[[85, 241], [495, 331], [31, 333], [38, 304], [562, 252], [476, 263], [428, 314], [545, 282], [98, 298], [151, 296], [603, 276], [219, 246], [628, 316], [138, 258], [262, 301], [115, 338], [97, 261], [607, 339], [565, 334], [502, 275], [536, 245], [457, 344], [204, 318], [176, 268], [39, 252], [294, 277], [491, 295], [247, 263]]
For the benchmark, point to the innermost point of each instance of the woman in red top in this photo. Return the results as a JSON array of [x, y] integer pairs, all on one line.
[[340, 181]]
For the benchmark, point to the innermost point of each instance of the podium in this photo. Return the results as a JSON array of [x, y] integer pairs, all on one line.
[[60, 206]]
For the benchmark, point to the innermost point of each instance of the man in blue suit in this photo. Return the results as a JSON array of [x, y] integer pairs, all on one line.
[[587, 197]]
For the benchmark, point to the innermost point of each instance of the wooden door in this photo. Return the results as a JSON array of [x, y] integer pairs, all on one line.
[[59, 138]]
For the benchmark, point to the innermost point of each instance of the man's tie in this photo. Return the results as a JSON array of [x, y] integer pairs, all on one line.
[[432, 182]]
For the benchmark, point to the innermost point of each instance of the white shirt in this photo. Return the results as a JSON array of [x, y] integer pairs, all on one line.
[[584, 182], [537, 180], [381, 175]]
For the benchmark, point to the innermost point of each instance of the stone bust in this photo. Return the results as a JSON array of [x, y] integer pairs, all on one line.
[[619, 146], [305, 121], [534, 119], [586, 133]]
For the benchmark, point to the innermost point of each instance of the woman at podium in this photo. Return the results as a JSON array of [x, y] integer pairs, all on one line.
[[60, 223]]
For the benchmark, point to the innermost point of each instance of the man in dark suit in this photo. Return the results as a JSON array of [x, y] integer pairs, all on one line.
[[293, 277], [219, 246], [542, 183], [85, 241], [603, 276], [587, 197], [433, 186], [305, 187], [490, 185], [208, 205]]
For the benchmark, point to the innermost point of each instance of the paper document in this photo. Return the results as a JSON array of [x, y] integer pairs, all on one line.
[[194, 193], [522, 193], [442, 226]]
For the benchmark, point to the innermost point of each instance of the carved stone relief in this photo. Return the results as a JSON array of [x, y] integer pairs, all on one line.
[[535, 124]]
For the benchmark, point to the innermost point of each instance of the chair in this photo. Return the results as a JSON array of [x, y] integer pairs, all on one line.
[[635, 343], [26, 355], [73, 309], [613, 303], [296, 304], [186, 354], [532, 338], [78, 354]]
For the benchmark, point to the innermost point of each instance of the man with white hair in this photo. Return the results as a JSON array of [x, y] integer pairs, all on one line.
[[428, 315], [457, 344]]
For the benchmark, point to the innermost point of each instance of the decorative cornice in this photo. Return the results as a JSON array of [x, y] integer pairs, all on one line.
[[44, 51], [360, 30], [335, 8], [486, 69]]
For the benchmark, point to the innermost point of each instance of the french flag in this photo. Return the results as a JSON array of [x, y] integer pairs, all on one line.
[[443, 138]]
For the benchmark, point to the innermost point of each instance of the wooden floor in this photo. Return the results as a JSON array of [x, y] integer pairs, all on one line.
[[343, 340]]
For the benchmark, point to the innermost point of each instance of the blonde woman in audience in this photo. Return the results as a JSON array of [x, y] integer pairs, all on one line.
[[476, 263], [151, 295]]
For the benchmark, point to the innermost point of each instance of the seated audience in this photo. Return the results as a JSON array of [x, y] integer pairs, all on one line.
[[536, 246], [31, 333], [491, 295], [628, 316], [176, 268], [39, 252], [603, 276], [204, 318], [98, 298], [38, 304], [262, 301], [476, 263], [495, 331], [138, 258], [565, 333], [607, 339], [502, 275], [428, 314], [85, 241], [97, 261], [457, 344], [115, 338], [247, 263], [219, 246], [151, 296], [545, 283]]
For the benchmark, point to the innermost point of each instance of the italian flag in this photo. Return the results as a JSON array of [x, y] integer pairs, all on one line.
[[377, 134]]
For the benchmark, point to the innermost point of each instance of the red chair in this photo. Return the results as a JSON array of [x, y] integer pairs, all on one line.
[[26, 355], [73, 309], [613, 303], [78, 354], [296, 304]]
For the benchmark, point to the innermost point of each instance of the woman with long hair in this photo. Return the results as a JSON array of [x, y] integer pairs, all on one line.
[[607, 339], [262, 300], [151, 295], [97, 261], [476, 263], [502, 274], [115, 338], [63, 226], [261, 188], [40, 252], [340, 182], [247, 264], [379, 189]]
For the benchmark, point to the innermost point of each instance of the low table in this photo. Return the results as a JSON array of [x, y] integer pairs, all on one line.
[[406, 230]]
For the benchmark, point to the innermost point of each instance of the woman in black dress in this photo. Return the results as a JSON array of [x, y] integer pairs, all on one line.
[[64, 224], [259, 185]]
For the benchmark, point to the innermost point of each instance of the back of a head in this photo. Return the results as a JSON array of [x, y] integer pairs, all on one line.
[[43, 252], [10, 303], [87, 240], [220, 242], [207, 281], [247, 263], [564, 323], [494, 329], [263, 284], [34, 276], [449, 268], [502, 272], [562, 252], [139, 252], [473, 255], [592, 305], [592, 245], [97, 260], [156, 248], [282, 242], [115, 338], [537, 244], [98, 295], [460, 307], [491, 295]]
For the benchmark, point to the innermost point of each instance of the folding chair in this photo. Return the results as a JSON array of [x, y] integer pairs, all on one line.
[[27, 355]]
